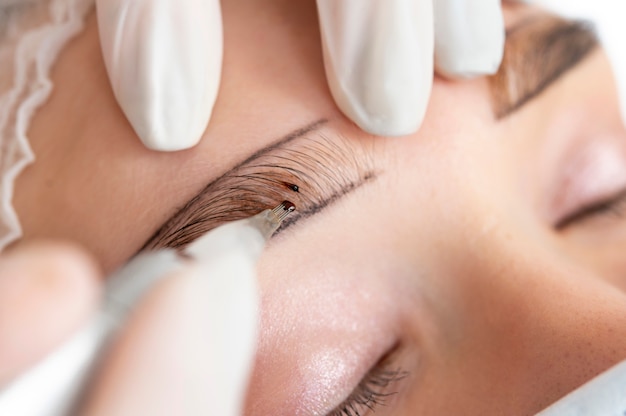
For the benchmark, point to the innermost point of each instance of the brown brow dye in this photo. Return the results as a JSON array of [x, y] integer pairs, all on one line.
[[292, 186]]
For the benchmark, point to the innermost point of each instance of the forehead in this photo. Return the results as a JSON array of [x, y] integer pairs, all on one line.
[[108, 192], [112, 193]]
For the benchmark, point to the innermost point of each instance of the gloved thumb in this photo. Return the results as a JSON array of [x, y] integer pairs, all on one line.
[[188, 348], [164, 60]]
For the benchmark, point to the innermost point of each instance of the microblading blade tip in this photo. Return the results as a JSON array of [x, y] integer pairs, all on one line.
[[283, 210]]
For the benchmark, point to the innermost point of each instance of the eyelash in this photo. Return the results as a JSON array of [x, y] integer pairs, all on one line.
[[614, 207], [371, 392]]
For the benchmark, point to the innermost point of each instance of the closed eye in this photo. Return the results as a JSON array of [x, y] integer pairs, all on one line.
[[376, 389], [613, 207]]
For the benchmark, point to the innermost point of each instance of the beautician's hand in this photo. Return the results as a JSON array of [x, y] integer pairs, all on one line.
[[378, 54], [47, 291], [164, 59], [186, 350]]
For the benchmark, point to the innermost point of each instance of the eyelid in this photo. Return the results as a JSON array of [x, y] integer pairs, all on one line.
[[595, 175], [375, 388], [614, 206]]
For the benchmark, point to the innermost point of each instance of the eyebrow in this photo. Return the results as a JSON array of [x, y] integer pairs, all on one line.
[[538, 52], [307, 167]]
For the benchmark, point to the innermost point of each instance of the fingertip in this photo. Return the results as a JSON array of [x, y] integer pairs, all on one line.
[[175, 138], [51, 265], [47, 290], [399, 120]]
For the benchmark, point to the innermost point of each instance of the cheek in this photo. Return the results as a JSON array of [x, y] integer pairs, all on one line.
[[328, 316], [527, 329]]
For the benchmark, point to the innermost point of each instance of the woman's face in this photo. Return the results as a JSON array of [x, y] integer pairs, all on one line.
[[475, 267]]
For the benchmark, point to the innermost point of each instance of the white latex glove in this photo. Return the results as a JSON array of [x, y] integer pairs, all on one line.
[[187, 349], [379, 54], [164, 59], [608, 17]]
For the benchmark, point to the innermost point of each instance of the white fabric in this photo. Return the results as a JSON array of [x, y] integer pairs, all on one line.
[[32, 32]]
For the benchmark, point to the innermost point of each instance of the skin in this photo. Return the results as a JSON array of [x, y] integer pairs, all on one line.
[[448, 261]]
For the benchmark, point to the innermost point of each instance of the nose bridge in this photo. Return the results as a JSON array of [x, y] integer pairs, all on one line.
[[576, 331]]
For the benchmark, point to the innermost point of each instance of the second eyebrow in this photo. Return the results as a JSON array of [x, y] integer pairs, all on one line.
[[538, 52]]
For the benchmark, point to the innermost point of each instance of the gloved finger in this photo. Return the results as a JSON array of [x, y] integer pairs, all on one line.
[[469, 37], [47, 291], [378, 57], [187, 349], [164, 60]]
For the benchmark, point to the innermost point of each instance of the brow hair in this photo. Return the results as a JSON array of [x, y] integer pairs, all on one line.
[[322, 169], [538, 52]]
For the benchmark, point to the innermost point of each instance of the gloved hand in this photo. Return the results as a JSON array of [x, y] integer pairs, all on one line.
[[164, 59], [49, 291], [608, 17]]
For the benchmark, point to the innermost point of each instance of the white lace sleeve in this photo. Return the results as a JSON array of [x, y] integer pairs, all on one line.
[[32, 33]]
